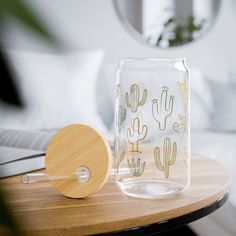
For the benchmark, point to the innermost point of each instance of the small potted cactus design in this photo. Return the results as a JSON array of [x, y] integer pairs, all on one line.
[[136, 168], [162, 108], [133, 98], [168, 156], [136, 133]]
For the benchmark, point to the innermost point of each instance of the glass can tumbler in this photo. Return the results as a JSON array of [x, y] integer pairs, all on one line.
[[152, 127]]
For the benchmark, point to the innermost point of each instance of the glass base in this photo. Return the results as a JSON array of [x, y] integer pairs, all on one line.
[[150, 188]]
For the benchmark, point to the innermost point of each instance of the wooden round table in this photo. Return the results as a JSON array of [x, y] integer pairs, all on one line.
[[43, 211]]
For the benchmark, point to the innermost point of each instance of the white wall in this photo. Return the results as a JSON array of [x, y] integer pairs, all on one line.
[[91, 24]]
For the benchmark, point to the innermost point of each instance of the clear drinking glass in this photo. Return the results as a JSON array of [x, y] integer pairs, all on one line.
[[152, 133]]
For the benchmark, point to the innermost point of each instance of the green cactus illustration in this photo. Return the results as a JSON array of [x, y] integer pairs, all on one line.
[[117, 91], [136, 134], [120, 117], [120, 158], [162, 108], [168, 156], [180, 127], [133, 99], [184, 90], [135, 168]]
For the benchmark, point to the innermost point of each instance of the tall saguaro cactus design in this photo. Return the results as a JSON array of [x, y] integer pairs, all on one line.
[[180, 127], [136, 168], [133, 98], [169, 154], [162, 108], [184, 90], [120, 117], [136, 133]]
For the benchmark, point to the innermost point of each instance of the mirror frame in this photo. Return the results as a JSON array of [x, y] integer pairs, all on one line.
[[138, 37]]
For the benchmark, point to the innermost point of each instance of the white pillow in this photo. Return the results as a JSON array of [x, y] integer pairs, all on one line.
[[57, 90], [105, 93], [223, 117], [201, 104]]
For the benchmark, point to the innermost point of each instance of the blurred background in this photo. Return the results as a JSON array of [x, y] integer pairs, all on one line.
[[64, 64], [203, 32]]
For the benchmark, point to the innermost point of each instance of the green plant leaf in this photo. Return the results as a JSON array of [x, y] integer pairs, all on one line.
[[8, 90], [21, 12]]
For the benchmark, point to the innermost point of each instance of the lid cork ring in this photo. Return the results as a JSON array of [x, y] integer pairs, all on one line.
[[78, 162]]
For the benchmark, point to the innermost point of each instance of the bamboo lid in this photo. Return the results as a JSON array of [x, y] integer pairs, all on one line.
[[78, 161]]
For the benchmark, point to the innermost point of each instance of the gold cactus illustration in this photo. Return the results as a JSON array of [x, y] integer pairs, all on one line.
[[136, 168], [162, 108], [184, 90], [117, 91], [180, 127], [120, 117], [168, 156], [133, 98], [136, 133]]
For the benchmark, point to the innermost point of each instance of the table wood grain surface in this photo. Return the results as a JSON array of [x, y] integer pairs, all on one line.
[[41, 210]]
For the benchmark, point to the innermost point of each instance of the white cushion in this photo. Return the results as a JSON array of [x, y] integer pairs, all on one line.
[[105, 93], [223, 115], [201, 103], [220, 147], [57, 90], [207, 226]]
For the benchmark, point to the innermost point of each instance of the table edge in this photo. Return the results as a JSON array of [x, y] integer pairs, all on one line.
[[174, 222]]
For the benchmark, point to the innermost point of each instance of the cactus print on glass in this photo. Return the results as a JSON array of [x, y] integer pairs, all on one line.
[[152, 127], [134, 98], [167, 158], [184, 90], [181, 126], [136, 133], [136, 168], [162, 108], [120, 117]]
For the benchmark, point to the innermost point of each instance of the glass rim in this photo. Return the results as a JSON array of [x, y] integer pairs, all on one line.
[[129, 63], [153, 59]]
